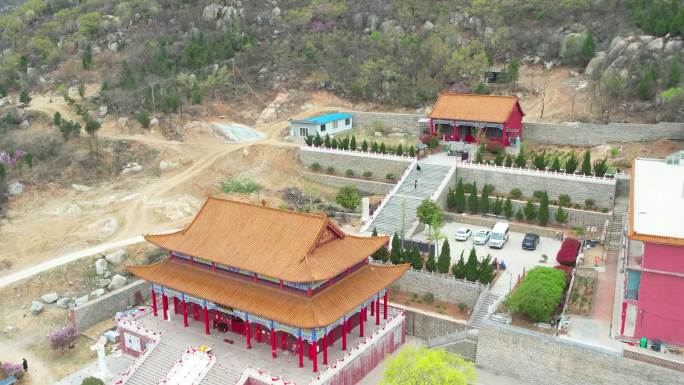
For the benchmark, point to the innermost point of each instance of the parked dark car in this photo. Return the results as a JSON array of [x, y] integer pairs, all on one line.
[[530, 241]]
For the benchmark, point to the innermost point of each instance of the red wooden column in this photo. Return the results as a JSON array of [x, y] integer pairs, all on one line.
[[185, 312], [325, 347], [384, 306], [300, 351], [361, 319], [206, 319], [165, 306], [315, 354], [273, 342], [283, 340], [344, 334], [248, 334], [196, 311], [372, 308], [154, 303], [376, 304]]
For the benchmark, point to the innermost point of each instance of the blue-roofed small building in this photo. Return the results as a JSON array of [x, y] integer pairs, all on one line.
[[327, 124]]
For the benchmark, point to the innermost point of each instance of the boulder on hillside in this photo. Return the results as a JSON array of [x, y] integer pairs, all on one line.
[[118, 281], [116, 257], [103, 282], [63, 303], [211, 12], [97, 293], [80, 301], [100, 266], [49, 297], [36, 307], [15, 188]]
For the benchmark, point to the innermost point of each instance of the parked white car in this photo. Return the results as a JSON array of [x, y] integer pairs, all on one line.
[[463, 233], [481, 237]]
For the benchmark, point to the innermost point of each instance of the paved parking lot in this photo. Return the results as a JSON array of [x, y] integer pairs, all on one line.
[[512, 254]]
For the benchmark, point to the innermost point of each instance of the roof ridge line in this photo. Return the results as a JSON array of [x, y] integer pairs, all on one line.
[[479, 95], [312, 215]]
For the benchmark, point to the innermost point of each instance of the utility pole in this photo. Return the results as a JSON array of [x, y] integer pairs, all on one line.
[[154, 108]]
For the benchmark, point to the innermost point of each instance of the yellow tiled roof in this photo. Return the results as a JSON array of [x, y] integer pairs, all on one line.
[[472, 107]]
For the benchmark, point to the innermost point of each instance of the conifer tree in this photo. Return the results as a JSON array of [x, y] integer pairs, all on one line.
[[326, 141], [571, 163], [352, 144], [486, 271], [400, 150], [509, 161], [484, 200], [416, 260], [395, 256], [375, 147], [472, 199], [364, 145], [431, 264], [383, 149], [586, 163], [498, 206], [530, 210], [411, 151], [508, 208], [555, 164], [444, 258], [458, 270], [561, 215], [471, 266], [519, 215], [460, 196], [381, 254], [543, 216], [333, 143]]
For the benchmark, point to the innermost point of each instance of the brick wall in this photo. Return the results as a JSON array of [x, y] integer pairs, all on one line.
[[602, 191], [388, 120], [594, 134], [105, 307], [444, 288], [426, 326], [367, 186], [536, 358], [358, 162]]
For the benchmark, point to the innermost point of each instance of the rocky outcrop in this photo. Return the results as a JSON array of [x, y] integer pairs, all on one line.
[[225, 14]]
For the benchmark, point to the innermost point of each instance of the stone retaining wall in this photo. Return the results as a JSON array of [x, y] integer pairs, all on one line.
[[379, 165], [537, 358], [388, 120], [366, 186], [594, 134], [102, 308], [444, 288], [425, 326], [602, 191]]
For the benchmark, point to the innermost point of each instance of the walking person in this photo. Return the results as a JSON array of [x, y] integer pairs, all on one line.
[[24, 364], [417, 167], [415, 184]]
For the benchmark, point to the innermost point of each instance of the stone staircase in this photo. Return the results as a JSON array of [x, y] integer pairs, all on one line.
[[155, 367], [615, 228], [399, 212], [220, 375], [483, 311]]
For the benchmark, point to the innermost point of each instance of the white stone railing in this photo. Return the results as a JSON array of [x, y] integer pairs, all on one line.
[[127, 323], [387, 197], [445, 182], [368, 154], [608, 179]]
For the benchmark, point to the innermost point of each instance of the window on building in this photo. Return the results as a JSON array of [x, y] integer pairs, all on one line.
[[493, 132], [303, 131], [322, 127], [335, 123], [347, 121]]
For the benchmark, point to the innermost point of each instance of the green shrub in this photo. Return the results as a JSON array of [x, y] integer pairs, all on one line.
[[316, 166], [92, 381], [564, 200], [589, 203], [604, 210], [462, 307], [539, 293], [242, 186], [530, 210], [330, 170], [515, 193], [519, 215], [561, 215], [428, 298], [367, 174], [538, 194], [349, 172], [348, 197], [390, 176], [143, 118]]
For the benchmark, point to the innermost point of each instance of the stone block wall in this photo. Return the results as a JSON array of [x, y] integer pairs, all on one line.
[[427, 326], [390, 121], [108, 305], [536, 358], [366, 186], [594, 134], [379, 165], [444, 288], [602, 191]]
